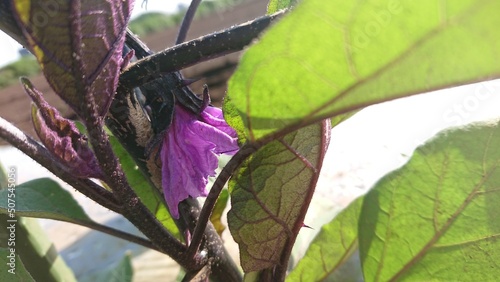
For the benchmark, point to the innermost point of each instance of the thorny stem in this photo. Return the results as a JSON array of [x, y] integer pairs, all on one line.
[[202, 49], [186, 22], [220, 264], [37, 152], [178, 57], [141, 50], [41, 155], [134, 210]]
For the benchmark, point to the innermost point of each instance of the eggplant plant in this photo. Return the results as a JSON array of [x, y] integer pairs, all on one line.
[[144, 144]]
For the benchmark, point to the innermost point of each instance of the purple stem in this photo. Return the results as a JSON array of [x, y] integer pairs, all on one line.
[[186, 22], [133, 209], [213, 195]]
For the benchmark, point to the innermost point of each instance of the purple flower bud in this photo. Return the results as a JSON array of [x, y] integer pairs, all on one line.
[[61, 137], [189, 153]]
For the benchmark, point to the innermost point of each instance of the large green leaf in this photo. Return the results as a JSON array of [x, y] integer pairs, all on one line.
[[13, 269], [436, 218], [45, 198], [35, 255], [34, 249], [331, 57], [149, 196], [120, 272], [331, 248], [271, 193]]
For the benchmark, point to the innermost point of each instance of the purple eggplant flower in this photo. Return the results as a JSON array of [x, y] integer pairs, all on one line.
[[61, 137], [189, 153]]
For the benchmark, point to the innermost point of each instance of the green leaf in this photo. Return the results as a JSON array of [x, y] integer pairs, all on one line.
[[36, 251], [276, 5], [119, 272], [331, 248], [45, 198], [436, 218], [13, 269], [271, 193], [326, 58], [149, 196], [232, 116]]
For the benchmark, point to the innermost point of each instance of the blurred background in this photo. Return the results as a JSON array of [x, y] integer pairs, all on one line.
[[373, 142]]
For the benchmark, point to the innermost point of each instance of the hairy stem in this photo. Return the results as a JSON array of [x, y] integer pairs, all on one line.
[[186, 22], [133, 209], [38, 153], [214, 193], [220, 263], [204, 48]]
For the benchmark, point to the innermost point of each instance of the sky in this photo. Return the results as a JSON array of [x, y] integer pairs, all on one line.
[[9, 48]]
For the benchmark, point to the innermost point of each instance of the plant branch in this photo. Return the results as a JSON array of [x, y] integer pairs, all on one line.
[[224, 269], [204, 48], [140, 48], [133, 209], [186, 22], [40, 154], [120, 234], [172, 81], [214, 193], [220, 264]]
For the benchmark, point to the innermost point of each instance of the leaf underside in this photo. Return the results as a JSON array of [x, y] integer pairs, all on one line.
[[331, 248], [327, 58], [78, 45], [437, 216], [271, 193]]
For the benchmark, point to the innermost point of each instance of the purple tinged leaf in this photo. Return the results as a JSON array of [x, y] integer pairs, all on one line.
[[271, 193], [189, 153], [61, 137], [79, 46]]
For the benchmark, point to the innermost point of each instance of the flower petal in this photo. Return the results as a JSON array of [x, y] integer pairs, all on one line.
[[189, 154]]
